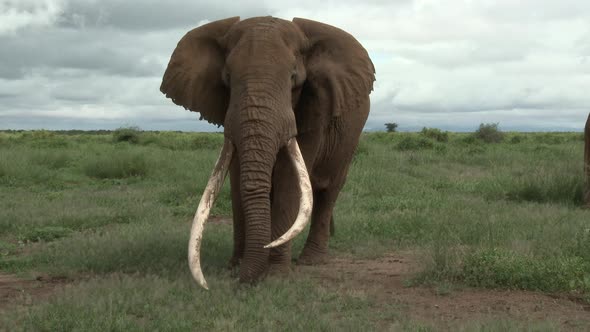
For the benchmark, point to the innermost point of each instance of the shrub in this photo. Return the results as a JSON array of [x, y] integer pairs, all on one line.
[[120, 164], [127, 134], [440, 148], [435, 134], [516, 139], [469, 139], [489, 133], [412, 143]]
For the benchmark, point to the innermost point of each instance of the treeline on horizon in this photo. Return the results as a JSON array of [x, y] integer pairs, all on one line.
[[111, 131]]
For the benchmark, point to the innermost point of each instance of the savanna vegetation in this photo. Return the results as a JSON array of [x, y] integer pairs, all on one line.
[[111, 211]]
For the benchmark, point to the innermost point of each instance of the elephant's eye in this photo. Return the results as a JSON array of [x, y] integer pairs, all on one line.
[[293, 78]]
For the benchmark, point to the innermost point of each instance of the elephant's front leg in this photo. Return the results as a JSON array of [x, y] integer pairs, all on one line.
[[238, 215], [315, 250], [284, 207]]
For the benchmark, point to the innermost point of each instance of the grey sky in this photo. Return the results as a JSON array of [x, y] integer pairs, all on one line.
[[97, 64]]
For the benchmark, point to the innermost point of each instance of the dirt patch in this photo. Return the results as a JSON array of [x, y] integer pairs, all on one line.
[[17, 290], [386, 279]]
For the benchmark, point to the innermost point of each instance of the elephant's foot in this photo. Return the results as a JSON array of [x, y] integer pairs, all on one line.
[[234, 262], [253, 268], [313, 257], [234, 267], [279, 269]]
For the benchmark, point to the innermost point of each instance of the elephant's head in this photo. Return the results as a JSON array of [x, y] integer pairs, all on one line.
[[265, 80]]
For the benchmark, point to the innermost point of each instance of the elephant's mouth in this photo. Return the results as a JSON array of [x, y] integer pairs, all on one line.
[[213, 188]]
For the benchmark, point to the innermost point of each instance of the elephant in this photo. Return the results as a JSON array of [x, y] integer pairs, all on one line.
[[293, 98]]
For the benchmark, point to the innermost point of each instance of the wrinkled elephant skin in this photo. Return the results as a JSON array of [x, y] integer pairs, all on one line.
[[267, 81]]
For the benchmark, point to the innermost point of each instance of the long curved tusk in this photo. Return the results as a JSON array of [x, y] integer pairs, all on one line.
[[213, 187], [305, 201]]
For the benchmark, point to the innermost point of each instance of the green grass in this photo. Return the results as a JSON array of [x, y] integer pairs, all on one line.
[[506, 268], [117, 165], [114, 215], [119, 302], [46, 233]]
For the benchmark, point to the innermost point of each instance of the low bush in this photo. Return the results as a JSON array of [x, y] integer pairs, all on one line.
[[435, 134], [489, 133], [413, 143], [517, 139], [127, 134]]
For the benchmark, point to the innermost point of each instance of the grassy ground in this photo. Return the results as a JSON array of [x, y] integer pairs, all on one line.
[[112, 211]]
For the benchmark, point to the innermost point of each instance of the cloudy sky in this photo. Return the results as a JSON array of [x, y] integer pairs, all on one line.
[[453, 64]]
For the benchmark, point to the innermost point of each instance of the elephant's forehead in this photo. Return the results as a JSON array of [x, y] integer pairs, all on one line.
[[268, 26]]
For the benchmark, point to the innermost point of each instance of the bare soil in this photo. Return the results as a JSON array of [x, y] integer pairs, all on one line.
[[386, 279], [14, 289]]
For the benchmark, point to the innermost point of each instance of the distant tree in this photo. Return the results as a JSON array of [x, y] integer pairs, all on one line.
[[391, 127]]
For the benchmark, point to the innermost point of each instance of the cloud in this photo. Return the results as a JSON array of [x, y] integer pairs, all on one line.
[[18, 14], [150, 15], [453, 64]]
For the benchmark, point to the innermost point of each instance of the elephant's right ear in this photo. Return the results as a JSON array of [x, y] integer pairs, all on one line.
[[193, 76]]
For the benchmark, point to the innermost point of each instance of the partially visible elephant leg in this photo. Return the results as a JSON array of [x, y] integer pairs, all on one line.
[[238, 214], [316, 246], [284, 208]]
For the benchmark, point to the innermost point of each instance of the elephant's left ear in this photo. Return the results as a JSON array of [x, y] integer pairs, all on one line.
[[338, 67]]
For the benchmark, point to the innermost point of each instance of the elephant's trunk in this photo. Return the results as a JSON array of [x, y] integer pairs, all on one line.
[[261, 122], [257, 154]]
